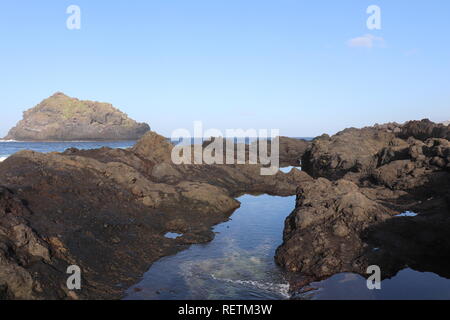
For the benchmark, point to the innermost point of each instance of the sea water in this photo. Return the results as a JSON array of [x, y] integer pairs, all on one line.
[[8, 148]]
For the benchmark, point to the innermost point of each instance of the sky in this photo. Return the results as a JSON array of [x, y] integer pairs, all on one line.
[[303, 67]]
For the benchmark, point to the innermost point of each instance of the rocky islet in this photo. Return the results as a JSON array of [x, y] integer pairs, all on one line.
[[62, 118]]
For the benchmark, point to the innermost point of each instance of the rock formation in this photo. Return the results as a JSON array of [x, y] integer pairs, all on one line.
[[61, 118], [322, 236], [425, 129], [348, 219], [292, 150], [107, 211], [351, 150]]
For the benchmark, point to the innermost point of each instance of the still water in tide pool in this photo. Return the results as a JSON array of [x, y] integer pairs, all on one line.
[[239, 264]]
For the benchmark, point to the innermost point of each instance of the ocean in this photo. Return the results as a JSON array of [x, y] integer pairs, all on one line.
[[7, 148]]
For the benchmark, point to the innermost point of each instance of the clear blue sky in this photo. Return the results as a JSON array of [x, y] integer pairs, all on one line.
[[285, 64]]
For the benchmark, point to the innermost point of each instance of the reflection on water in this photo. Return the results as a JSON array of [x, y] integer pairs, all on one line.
[[408, 284], [237, 264]]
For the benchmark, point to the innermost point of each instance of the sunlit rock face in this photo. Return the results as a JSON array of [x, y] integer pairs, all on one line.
[[62, 118]]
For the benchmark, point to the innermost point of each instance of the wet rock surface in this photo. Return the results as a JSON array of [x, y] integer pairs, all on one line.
[[347, 218], [107, 211]]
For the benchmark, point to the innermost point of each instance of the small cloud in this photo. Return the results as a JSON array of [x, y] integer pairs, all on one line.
[[366, 41]]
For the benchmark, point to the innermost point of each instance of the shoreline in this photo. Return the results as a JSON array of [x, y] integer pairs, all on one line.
[[117, 205]]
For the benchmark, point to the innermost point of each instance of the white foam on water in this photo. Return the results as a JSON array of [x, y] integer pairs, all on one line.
[[279, 288], [3, 158]]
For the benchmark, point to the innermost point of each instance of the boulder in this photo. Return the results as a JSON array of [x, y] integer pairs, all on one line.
[[351, 150], [424, 129], [322, 236]]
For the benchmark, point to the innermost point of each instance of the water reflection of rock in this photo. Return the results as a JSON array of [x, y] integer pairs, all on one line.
[[407, 284]]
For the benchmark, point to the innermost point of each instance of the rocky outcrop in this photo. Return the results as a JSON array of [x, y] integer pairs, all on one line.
[[354, 154], [292, 150], [107, 211], [21, 249], [323, 235], [424, 129], [352, 150], [340, 227], [348, 218], [62, 118]]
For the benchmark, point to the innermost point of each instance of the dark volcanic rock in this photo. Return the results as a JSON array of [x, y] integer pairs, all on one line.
[[292, 150], [21, 250], [339, 227], [61, 118], [424, 130], [345, 226], [107, 211], [351, 150], [322, 235]]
